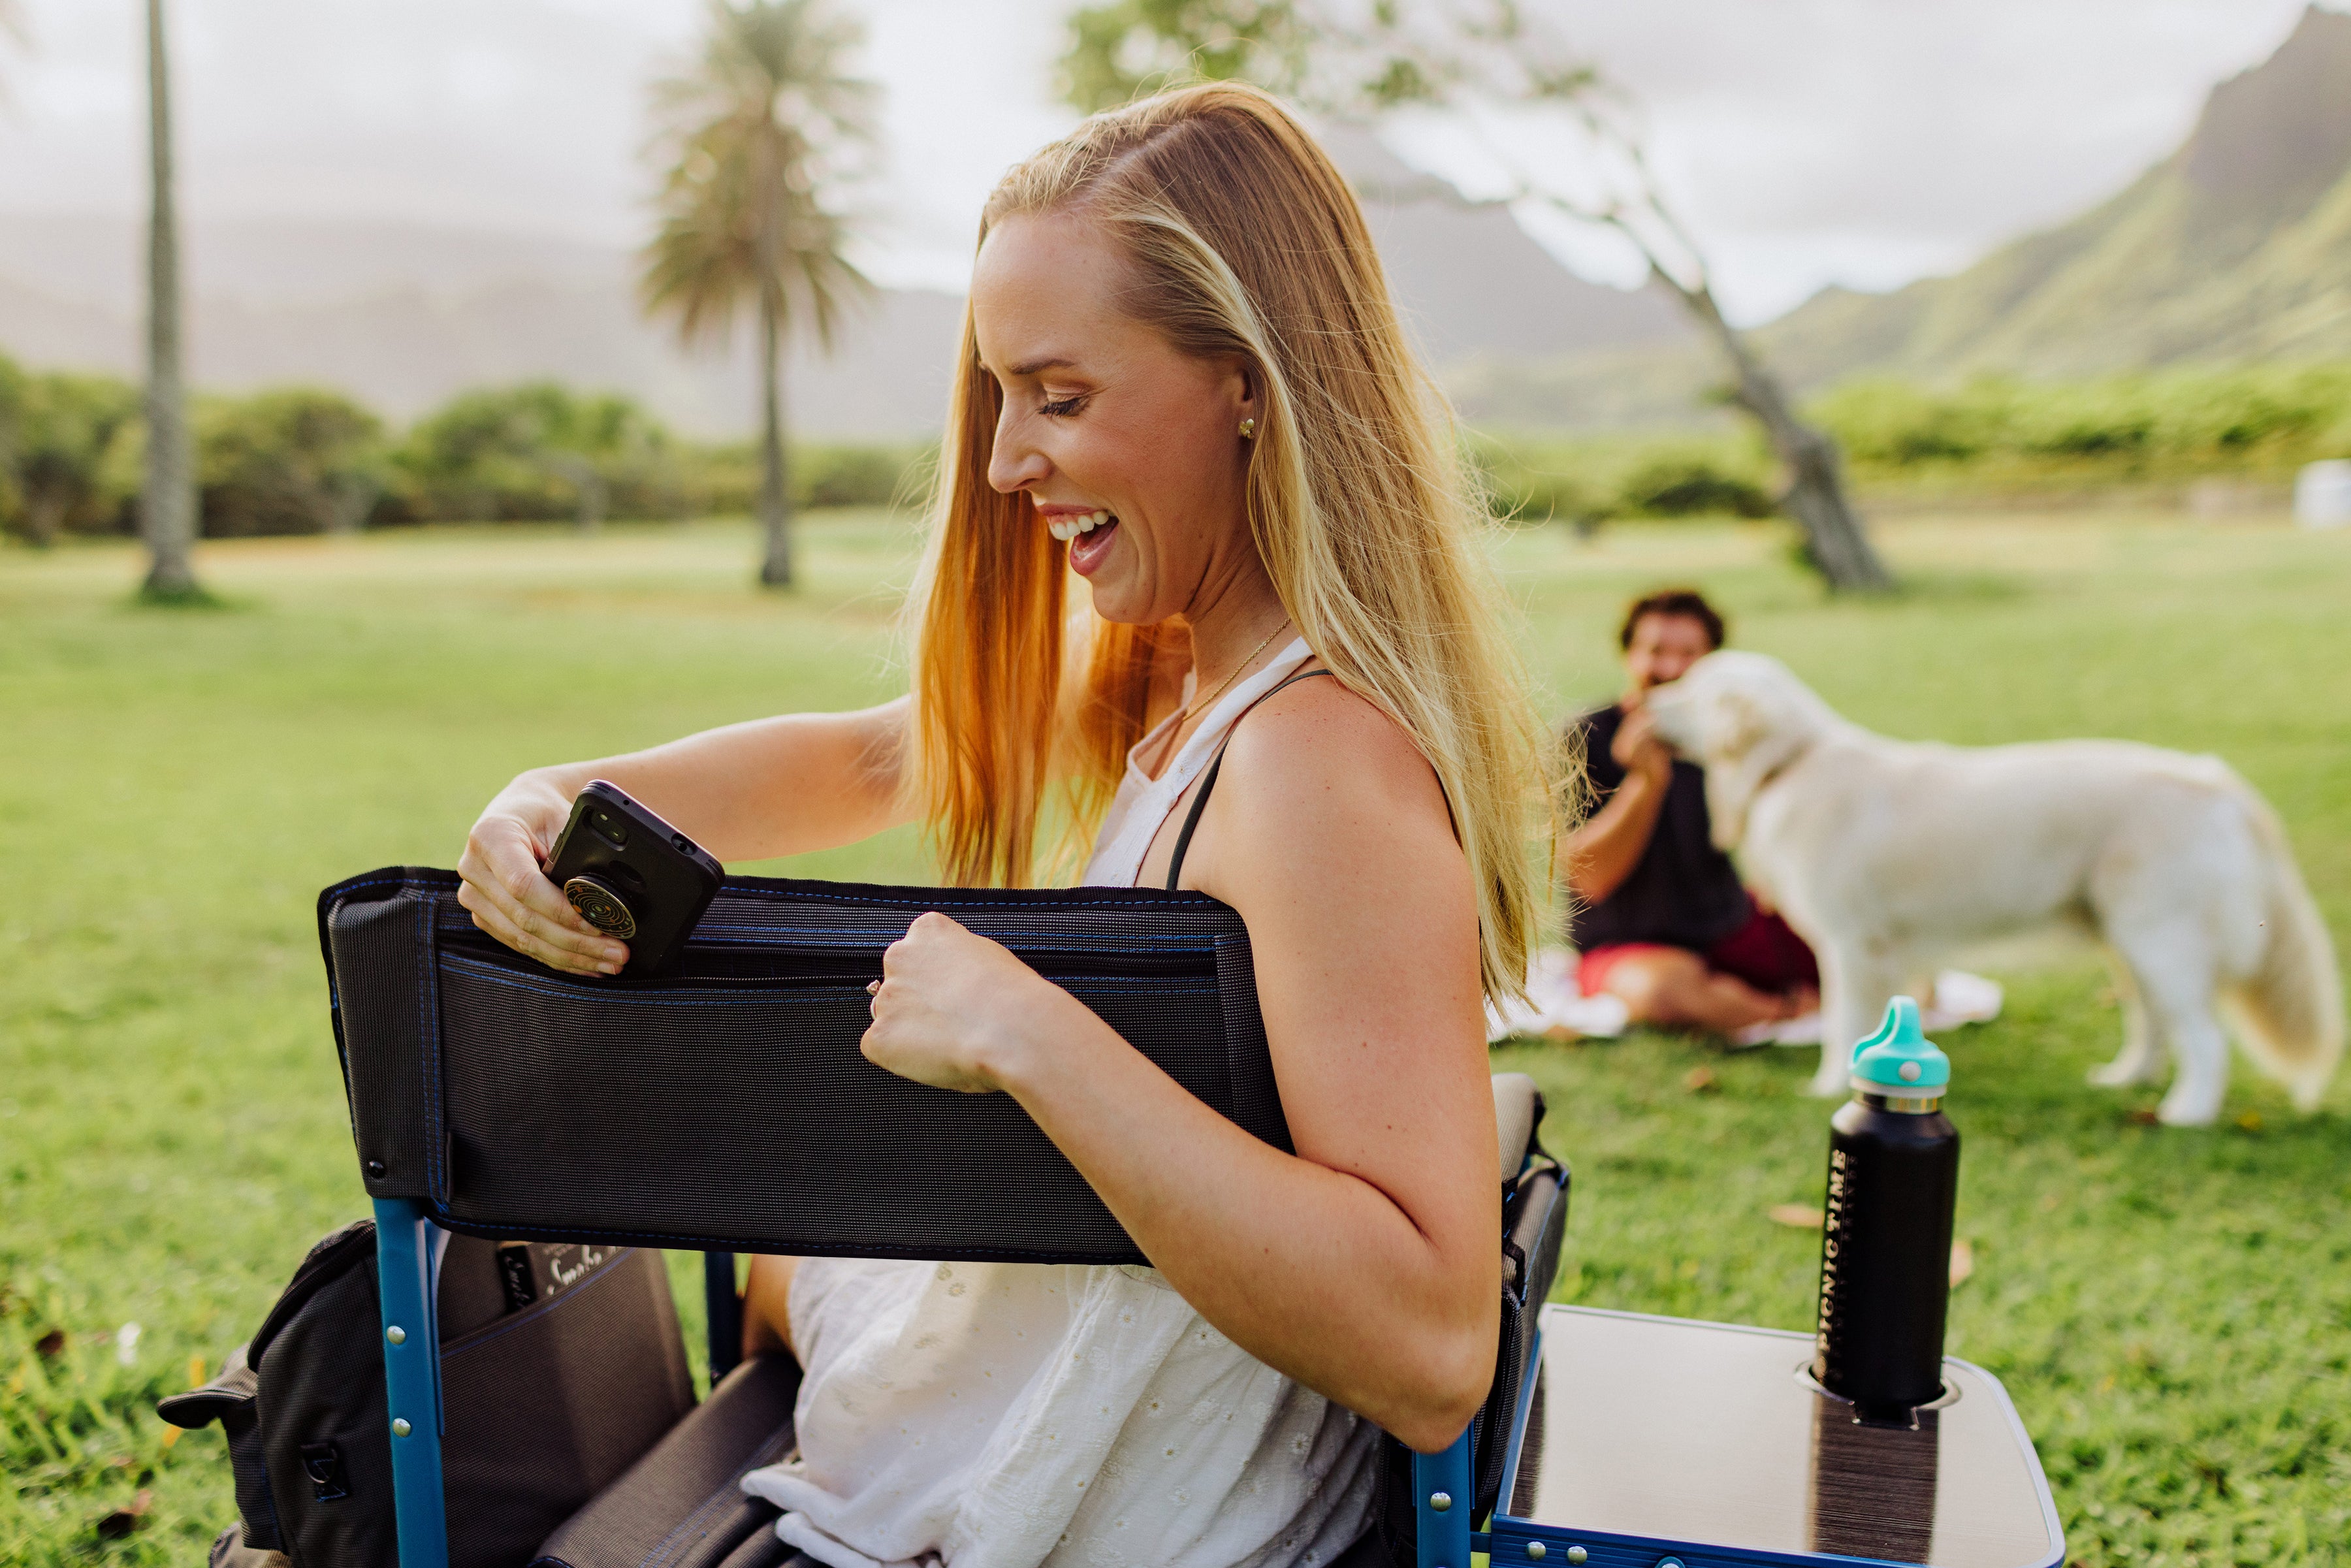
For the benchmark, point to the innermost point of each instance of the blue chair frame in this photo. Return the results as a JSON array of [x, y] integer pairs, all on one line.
[[1442, 1482]]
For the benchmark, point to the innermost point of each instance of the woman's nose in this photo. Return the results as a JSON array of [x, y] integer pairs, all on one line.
[[1012, 464]]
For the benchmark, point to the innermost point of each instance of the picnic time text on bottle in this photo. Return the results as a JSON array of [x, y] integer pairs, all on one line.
[[1885, 1240]]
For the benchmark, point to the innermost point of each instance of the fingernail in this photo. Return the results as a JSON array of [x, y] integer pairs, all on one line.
[[608, 968]]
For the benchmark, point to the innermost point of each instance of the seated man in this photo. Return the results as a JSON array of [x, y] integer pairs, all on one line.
[[1661, 918]]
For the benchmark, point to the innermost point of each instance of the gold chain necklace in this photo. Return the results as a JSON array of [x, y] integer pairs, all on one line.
[[1228, 680]]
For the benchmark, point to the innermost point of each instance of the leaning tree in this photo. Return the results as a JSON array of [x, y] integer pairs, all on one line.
[[756, 136], [1495, 74]]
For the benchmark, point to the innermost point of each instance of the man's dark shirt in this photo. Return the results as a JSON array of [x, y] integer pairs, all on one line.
[[1682, 891]]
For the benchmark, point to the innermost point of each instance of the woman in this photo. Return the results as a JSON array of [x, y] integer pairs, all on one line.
[[1182, 379]]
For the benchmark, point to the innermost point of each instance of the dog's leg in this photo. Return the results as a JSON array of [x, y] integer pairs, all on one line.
[[2139, 1061], [2173, 966], [1855, 985]]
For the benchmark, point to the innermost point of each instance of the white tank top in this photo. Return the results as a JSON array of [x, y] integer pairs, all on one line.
[[1011, 1415]]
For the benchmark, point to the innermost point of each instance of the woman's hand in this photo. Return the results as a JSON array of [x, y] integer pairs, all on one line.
[[510, 896], [956, 1011]]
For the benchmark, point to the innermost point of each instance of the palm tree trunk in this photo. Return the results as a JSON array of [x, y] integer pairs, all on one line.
[[167, 506], [774, 496]]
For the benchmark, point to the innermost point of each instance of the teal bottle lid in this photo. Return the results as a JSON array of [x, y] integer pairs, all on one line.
[[1900, 1060]]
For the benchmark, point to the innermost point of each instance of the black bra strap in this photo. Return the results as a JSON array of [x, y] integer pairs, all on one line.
[[1208, 780]]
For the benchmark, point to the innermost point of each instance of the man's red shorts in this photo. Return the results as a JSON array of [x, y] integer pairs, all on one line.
[[1764, 953]]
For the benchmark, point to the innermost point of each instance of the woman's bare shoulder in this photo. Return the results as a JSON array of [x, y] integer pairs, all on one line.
[[1319, 758]]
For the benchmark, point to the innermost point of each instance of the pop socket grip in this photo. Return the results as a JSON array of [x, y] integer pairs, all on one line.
[[601, 906]]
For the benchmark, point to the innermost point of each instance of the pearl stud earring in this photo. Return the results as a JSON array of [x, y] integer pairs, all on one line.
[[1249, 430]]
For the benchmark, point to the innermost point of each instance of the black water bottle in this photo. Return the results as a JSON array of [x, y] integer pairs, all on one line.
[[1886, 1241]]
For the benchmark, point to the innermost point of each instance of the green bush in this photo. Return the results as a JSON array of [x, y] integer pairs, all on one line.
[[71, 445], [1691, 488], [2260, 421], [1590, 480], [821, 475], [290, 461], [536, 452]]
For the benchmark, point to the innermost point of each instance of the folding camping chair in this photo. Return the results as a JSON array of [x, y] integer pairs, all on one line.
[[492, 1096]]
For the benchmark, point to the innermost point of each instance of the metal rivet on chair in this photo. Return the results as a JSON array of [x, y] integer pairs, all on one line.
[[1536, 1550], [400, 1429], [1669, 1562], [1441, 1500], [1576, 1554], [396, 1334], [375, 1169]]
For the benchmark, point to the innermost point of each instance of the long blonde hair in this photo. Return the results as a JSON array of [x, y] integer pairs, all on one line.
[[1246, 243]]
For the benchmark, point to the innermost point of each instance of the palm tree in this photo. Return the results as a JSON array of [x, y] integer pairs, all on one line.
[[167, 506], [765, 121]]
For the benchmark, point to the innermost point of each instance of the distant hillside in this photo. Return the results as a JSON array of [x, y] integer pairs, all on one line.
[[2237, 246], [402, 315]]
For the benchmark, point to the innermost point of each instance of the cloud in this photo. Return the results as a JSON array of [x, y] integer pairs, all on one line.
[[1808, 141]]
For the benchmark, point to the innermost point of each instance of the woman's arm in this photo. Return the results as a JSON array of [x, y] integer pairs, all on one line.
[[1367, 1265], [748, 791], [1596, 858]]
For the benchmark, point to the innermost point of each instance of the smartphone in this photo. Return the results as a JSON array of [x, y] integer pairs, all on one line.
[[632, 876]]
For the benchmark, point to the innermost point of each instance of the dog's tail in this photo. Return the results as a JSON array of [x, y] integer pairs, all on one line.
[[2288, 1012]]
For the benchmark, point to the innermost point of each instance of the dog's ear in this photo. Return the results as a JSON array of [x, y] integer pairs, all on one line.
[[1746, 745]]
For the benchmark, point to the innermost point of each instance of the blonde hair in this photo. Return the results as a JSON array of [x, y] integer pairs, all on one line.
[[1245, 242]]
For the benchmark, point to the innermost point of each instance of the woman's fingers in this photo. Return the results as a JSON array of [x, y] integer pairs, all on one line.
[[534, 940], [496, 923], [514, 902]]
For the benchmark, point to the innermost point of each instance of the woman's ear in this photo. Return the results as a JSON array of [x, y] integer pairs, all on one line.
[[1249, 401]]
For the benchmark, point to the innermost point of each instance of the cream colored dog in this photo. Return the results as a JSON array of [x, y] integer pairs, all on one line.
[[1885, 855]]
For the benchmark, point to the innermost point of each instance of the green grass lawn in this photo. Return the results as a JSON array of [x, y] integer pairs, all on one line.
[[2171, 1310]]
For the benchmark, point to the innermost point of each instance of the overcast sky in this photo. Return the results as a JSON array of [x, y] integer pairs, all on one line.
[[1862, 141]]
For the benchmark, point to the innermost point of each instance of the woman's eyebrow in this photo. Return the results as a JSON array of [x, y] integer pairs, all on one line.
[[1034, 367]]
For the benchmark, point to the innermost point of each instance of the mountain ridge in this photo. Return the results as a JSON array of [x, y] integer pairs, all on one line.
[[402, 315], [2237, 245]]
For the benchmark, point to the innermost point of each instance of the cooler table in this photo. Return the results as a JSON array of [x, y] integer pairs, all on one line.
[[1650, 1442]]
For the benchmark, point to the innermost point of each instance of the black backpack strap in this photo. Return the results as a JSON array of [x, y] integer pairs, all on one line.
[[1209, 780]]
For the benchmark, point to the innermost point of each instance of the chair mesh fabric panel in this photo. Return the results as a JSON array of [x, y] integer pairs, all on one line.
[[728, 1106], [682, 1506]]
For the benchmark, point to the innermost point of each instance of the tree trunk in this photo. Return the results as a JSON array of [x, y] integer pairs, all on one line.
[[587, 489], [44, 514], [1816, 496], [774, 496], [348, 501], [167, 506]]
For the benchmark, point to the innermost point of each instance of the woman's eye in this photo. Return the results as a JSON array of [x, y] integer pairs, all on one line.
[[1057, 408]]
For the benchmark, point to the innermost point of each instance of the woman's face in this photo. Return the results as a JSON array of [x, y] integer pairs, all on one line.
[[1127, 446]]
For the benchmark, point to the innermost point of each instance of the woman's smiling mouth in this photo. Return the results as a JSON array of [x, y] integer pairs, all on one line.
[[1067, 526]]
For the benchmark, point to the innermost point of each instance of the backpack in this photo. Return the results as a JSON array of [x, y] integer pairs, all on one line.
[[560, 1364]]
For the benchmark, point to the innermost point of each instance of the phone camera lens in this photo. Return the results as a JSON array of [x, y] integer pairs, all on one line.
[[611, 833]]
